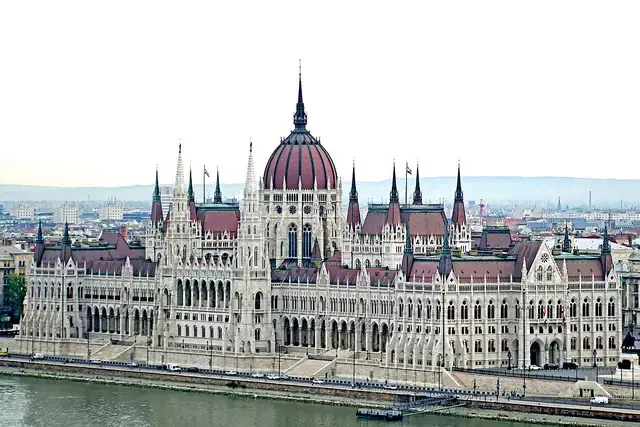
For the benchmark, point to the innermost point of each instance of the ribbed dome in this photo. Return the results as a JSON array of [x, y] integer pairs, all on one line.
[[300, 158]]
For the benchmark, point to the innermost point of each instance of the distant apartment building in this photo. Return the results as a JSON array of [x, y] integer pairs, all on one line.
[[594, 216], [166, 192], [12, 261], [66, 213], [24, 212], [110, 212], [630, 280]]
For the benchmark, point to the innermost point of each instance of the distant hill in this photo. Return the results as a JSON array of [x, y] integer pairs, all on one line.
[[539, 190]]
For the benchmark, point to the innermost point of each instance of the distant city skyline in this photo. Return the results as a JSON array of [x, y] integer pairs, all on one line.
[[509, 88]]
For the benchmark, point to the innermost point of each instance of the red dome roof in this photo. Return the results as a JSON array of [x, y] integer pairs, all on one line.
[[300, 158]]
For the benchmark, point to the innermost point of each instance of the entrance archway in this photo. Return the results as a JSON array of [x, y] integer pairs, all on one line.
[[554, 352], [535, 354]]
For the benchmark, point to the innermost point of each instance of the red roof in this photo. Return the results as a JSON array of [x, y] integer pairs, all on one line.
[[422, 222], [300, 158], [220, 220]]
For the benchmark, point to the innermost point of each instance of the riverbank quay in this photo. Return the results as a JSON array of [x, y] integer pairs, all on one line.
[[478, 407]]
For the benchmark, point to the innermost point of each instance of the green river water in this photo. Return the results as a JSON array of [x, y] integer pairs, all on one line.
[[41, 402]]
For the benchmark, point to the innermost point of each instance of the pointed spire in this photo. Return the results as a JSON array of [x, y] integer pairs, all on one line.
[[178, 188], [353, 194], [606, 248], [417, 194], [566, 244], [156, 189], [217, 196], [191, 198], [446, 264], [393, 197], [250, 182], [300, 117], [66, 239], [39, 237], [459, 186]]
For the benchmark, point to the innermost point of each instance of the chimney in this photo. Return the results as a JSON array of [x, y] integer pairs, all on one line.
[[123, 231]]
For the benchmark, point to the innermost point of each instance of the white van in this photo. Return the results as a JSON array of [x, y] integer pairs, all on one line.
[[174, 368], [599, 400], [37, 356]]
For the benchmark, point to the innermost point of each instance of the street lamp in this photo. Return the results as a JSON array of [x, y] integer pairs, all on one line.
[[595, 362], [439, 373], [497, 388], [509, 358]]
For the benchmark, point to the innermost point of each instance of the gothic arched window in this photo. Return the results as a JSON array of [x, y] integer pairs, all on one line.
[[306, 241], [293, 241]]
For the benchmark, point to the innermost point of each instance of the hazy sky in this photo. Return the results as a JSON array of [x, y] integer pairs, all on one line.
[[97, 93]]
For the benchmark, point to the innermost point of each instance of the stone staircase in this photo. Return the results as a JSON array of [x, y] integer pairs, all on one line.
[[110, 352], [308, 368]]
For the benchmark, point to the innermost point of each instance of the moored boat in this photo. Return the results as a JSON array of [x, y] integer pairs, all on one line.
[[380, 414]]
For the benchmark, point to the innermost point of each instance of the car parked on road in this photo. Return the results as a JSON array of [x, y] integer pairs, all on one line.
[[317, 381], [257, 375], [534, 368], [231, 373], [96, 362], [569, 365], [273, 377], [551, 366]]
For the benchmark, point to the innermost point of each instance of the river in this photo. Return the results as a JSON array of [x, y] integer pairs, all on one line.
[[40, 402]]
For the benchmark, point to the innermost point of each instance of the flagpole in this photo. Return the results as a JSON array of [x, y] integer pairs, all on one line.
[[406, 181], [204, 185]]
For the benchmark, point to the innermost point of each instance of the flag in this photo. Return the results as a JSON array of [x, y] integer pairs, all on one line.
[[409, 170], [205, 171]]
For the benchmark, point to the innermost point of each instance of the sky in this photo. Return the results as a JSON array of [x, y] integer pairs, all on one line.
[[99, 93]]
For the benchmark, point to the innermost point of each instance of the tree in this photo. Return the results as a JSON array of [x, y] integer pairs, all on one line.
[[14, 292]]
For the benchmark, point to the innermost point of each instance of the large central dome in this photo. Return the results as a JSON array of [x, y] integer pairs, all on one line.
[[300, 158]]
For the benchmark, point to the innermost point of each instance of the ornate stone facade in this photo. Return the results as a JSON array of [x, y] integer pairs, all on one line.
[[287, 269]]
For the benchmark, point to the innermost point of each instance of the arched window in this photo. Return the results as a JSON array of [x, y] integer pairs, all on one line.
[[258, 304], [257, 335], [586, 343], [574, 343], [531, 310], [505, 345], [219, 333], [612, 343], [410, 309], [540, 309], [255, 256], [186, 330], [419, 309], [428, 310], [400, 308], [573, 308], [491, 311], [539, 274], [367, 263], [599, 344], [585, 308], [377, 263], [549, 273], [306, 241], [293, 241], [202, 332], [491, 348], [559, 309], [179, 330], [195, 331], [549, 309], [210, 331], [477, 311], [611, 308], [518, 309], [478, 346], [358, 264], [451, 311], [598, 307], [504, 310], [464, 311]]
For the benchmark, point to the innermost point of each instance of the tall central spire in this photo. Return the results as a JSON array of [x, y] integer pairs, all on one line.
[[393, 197], [39, 237], [300, 117]]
